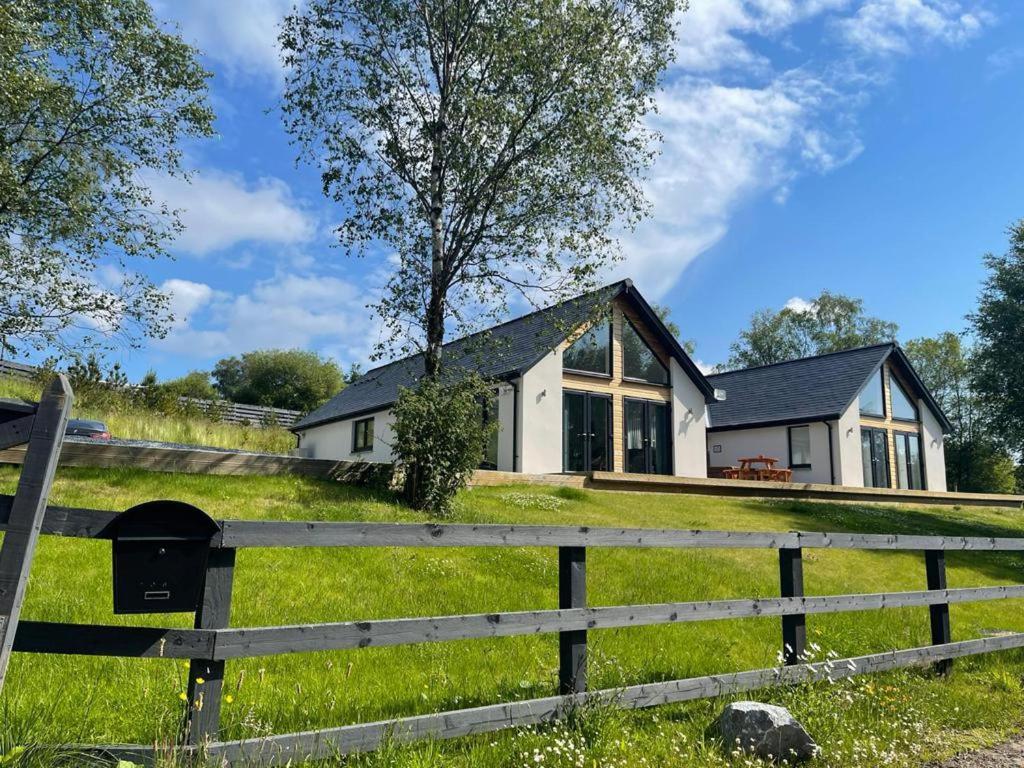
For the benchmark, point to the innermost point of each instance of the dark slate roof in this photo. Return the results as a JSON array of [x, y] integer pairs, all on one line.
[[811, 388], [502, 352], [808, 389]]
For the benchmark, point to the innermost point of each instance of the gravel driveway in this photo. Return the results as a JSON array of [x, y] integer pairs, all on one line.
[[1008, 755]]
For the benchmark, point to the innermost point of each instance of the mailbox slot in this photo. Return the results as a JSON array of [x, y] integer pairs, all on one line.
[[160, 550]]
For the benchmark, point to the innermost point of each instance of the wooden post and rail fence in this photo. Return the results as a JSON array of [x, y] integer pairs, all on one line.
[[213, 641]]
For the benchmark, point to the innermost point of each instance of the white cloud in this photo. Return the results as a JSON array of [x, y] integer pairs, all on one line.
[[799, 305], [303, 311], [186, 299], [221, 209], [722, 144], [895, 26], [1004, 61], [240, 35]]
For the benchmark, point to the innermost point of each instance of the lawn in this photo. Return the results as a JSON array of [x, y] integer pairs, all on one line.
[[127, 420], [894, 719]]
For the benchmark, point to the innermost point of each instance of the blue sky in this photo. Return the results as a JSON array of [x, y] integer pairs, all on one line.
[[871, 147]]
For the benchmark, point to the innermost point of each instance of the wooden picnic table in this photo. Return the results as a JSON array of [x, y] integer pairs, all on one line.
[[749, 469]]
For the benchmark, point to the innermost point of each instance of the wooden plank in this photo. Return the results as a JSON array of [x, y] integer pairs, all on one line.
[[66, 521], [268, 533], [331, 742], [99, 640], [28, 509], [204, 698], [16, 432], [935, 568], [572, 643], [794, 625], [267, 641]]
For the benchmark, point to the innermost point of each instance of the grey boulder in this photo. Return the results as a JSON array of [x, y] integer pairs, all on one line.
[[764, 730]]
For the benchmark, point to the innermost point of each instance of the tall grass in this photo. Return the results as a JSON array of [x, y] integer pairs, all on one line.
[[897, 719], [130, 420]]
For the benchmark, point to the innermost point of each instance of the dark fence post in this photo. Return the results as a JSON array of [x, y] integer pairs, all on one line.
[[794, 626], [572, 645], [204, 698], [935, 567]]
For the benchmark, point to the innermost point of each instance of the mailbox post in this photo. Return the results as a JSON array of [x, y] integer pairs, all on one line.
[[160, 551]]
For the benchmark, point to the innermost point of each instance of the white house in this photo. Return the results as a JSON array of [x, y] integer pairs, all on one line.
[[594, 383], [599, 383], [861, 417]]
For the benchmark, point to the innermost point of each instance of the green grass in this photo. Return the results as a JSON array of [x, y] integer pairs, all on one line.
[[896, 719], [131, 421]]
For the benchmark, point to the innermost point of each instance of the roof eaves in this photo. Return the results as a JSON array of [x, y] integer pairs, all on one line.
[[774, 422], [944, 422]]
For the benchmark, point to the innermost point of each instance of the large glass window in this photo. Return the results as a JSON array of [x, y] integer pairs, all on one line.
[[362, 435], [490, 419], [871, 397], [800, 447], [902, 406], [638, 359], [908, 461], [874, 449], [591, 352]]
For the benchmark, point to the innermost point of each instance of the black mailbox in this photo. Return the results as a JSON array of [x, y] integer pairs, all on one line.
[[160, 552]]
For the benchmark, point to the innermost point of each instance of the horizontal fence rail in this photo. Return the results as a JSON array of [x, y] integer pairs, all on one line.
[[212, 642]]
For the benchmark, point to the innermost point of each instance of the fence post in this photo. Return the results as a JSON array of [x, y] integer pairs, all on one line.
[[572, 645], [794, 626], [203, 720], [935, 567]]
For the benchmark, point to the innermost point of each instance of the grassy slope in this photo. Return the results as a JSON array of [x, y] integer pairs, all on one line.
[[142, 424], [92, 699]]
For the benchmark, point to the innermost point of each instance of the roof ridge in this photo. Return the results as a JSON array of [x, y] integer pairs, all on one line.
[[803, 359], [493, 327]]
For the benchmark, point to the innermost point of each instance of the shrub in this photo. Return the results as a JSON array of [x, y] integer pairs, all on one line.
[[282, 378], [440, 437]]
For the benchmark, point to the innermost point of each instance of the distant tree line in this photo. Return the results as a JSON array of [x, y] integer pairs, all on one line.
[[976, 375]]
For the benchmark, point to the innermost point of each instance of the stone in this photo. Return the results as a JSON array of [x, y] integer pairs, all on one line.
[[765, 730]]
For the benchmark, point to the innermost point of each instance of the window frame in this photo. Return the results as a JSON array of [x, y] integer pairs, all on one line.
[[908, 466], [607, 374], [895, 382], [789, 443], [367, 446], [625, 377], [881, 386]]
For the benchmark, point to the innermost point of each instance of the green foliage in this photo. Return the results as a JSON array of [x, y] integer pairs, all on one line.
[[831, 323], [195, 384], [292, 378], [440, 438], [492, 146], [998, 326], [96, 98], [974, 460]]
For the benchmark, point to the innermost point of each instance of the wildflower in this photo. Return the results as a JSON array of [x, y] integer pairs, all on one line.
[[199, 681], [182, 696], [229, 698]]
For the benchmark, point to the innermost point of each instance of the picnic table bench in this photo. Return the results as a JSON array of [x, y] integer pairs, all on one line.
[[758, 468]]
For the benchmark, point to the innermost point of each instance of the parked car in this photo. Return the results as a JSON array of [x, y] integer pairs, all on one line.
[[95, 430]]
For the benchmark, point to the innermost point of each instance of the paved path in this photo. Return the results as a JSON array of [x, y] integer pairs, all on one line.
[[1008, 755]]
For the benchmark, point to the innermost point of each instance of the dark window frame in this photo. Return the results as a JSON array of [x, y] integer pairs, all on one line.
[[609, 447], [881, 385], [898, 435], [607, 356], [668, 371], [647, 409], [789, 443], [890, 480], [916, 408], [367, 444]]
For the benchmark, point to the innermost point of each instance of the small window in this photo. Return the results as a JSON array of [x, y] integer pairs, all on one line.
[[362, 435], [902, 406], [490, 416], [638, 359], [591, 352], [800, 447], [871, 398]]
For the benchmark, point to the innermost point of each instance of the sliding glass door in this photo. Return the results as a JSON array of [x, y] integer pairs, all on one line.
[[648, 437], [586, 432], [874, 451]]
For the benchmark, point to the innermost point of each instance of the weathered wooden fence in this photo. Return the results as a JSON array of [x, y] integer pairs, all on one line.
[[213, 641]]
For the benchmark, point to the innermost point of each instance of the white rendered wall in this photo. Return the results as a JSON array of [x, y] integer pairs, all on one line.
[[540, 417], [932, 443], [334, 440], [774, 443], [851, 467], [689, 425]]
